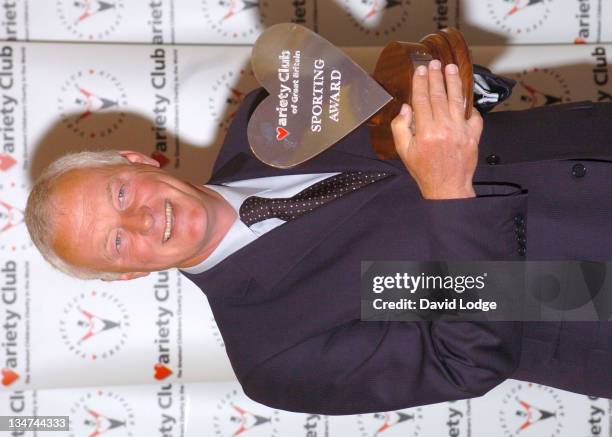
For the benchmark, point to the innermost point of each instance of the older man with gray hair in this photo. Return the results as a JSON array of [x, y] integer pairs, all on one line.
[[278, 252]]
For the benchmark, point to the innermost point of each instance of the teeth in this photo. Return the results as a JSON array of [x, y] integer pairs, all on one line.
[[169, 222]]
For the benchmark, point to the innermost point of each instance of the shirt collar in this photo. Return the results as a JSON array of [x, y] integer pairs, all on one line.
[[235, 193]]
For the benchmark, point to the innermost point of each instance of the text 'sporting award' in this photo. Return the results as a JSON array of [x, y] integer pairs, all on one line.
[[317, 95]]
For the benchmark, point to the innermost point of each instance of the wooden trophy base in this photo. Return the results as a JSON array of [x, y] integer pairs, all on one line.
[[395, 69]]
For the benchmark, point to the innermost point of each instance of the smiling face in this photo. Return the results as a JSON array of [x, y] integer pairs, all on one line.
[[135, 218]]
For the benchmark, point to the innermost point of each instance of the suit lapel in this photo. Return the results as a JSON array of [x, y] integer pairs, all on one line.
[[269, 258], [272, 256], [245, 166], [353, 152]]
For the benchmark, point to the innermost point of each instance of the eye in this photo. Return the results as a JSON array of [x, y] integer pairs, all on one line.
[[118, 242], [121, 195]]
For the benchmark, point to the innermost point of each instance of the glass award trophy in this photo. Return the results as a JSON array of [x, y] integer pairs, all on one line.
[[317, 94]]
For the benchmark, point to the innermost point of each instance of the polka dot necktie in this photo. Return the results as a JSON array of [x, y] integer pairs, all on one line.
[[255, 209]]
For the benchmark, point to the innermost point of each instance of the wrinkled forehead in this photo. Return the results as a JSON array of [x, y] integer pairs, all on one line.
[[76, 198], [77, 183]]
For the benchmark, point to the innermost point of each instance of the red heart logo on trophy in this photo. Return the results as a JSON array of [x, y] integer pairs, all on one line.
[[319, 95], [281, 133]]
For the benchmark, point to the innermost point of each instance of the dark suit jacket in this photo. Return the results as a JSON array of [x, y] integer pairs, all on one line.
[[288, 304]]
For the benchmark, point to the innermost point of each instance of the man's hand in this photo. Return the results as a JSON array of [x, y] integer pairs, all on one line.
[[435, 142]]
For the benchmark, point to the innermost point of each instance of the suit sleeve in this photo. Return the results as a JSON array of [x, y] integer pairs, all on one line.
[[381, 366], [489, 227], [365, 367]]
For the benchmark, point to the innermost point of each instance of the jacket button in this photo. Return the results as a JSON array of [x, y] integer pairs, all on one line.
[[522, 250], [579, 170], [493, 159], [519, 219]]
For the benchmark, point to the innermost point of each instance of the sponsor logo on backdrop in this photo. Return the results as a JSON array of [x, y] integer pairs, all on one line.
[[10, 24], [166, 398], [214, 328], [14, 322], [94, 325], [236, 18], [13, 234], [162, 112], [378, 17], [405, 423], [237, 415], [166, 322], [599, 411], [458, 420], [9, 376], [18, 401], [585, 15], [539, 87], [441, 17], [90, 19], [101, 413], [316, 425], [161, 372], [531, 410], [9, 106], [519, 16], [6, 162], [10, 217], [601, 74], [227, 94], [156, 21], [85, 97]]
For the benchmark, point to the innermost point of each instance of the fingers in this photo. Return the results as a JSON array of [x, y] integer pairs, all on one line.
[[454, 89], [420, 99], [400, 127], [437, 97], [437, 91]]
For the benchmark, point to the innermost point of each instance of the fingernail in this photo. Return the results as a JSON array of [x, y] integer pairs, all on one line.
[[421, 70], [405, 109], [435, 64], [452, 69]]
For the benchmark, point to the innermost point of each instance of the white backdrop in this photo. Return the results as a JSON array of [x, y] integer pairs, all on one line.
[[345, 22], [148, 353]]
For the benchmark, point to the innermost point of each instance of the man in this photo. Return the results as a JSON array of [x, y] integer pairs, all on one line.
[[283, 277]]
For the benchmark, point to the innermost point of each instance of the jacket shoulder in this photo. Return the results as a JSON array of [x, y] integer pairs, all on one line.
[[236, 140]]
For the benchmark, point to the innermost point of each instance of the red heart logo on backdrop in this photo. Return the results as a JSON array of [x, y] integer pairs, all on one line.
[[281, 133], [9, 376], [161, 158], [6, 161], [316, 92], [161, 372]]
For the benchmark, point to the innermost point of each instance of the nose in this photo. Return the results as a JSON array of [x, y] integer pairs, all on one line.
[[139, 221]]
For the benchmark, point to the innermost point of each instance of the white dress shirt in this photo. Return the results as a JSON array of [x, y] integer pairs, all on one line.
[[235, 193]]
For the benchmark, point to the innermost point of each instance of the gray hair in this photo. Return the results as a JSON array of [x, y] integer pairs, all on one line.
[[39, 209]]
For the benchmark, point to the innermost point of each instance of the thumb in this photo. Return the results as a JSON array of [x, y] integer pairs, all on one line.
[[400, 127]]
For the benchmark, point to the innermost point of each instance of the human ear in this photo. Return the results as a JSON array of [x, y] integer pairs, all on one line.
[[138, 158]]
